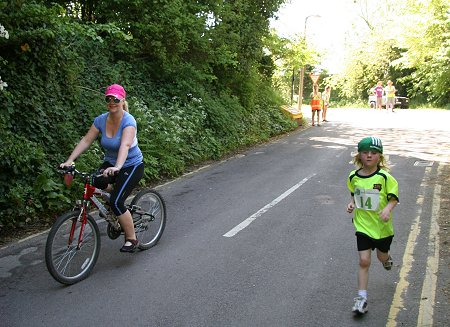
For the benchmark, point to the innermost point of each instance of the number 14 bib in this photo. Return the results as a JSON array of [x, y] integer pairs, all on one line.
[[367, 199]]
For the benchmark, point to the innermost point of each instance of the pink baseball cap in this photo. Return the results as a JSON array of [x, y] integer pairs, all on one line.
[[116, 90]]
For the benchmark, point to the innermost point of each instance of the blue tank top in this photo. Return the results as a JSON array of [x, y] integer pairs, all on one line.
[[112, 144]]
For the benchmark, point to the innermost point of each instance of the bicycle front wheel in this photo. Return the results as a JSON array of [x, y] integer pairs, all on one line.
[[149, 216], [70, 254]]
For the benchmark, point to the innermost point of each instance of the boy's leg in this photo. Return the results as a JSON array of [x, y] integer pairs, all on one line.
[[383, 246], [360, 306], [382, 256], [365, 245], [385, 259], [363, 272]]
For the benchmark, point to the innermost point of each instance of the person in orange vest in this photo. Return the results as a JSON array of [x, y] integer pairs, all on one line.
[[316, 104]]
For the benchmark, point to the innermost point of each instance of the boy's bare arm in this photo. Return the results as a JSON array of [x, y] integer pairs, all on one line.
[[351, 205], [385, 214]]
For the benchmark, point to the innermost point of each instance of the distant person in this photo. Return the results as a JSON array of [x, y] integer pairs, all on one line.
[[326, 102], [316, 104], [374, 194], [390, 96], [378, 91]]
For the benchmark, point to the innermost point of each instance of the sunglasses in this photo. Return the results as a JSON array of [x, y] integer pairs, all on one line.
[[109, 98]]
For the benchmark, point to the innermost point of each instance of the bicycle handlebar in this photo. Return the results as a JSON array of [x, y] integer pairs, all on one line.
[[71, 170], [66, 169]]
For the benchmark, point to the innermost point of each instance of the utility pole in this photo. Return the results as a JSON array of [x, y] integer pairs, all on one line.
[[292, 85], [302, 70]]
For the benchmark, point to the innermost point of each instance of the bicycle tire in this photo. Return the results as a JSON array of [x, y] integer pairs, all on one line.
[[67, 263], [149, 227]]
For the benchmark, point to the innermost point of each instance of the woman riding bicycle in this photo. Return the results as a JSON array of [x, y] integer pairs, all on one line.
[[123, 163]]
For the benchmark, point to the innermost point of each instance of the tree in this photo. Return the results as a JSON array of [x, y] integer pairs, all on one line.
[[289, 55], [407, 42], [427, 40]]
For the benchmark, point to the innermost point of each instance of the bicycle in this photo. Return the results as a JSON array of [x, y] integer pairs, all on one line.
[[73, 243]]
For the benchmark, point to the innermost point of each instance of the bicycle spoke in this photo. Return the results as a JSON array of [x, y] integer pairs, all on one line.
[[70, 255], [62, 259], [149, 217], [71, 263]]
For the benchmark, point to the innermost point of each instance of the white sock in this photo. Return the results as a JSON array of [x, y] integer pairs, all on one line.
[[363, 293]]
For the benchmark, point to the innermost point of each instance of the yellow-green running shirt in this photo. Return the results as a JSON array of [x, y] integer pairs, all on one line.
[[371, 194]]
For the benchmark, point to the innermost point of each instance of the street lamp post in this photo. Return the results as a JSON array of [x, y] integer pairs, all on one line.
[[302, 70]]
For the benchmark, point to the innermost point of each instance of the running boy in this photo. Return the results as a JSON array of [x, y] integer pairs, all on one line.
[[374, 193]]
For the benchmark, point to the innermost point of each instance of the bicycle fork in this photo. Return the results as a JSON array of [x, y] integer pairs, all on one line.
[[82, 218]]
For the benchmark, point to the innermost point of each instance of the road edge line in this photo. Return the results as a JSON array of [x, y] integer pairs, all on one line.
[[407, 260], [428, 296]]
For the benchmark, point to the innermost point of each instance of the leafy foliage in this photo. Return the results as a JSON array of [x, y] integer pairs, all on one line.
[[406, 42], [197, 79], [290, 55], [428, 51]]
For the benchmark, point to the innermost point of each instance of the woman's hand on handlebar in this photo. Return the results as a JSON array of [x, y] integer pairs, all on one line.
[[67, 164], [111, 171]]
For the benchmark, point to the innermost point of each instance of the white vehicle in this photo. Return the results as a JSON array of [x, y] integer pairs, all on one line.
[[400, 102]]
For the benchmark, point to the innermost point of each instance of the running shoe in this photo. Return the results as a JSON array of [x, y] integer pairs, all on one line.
[[360, 306], [388, 264]]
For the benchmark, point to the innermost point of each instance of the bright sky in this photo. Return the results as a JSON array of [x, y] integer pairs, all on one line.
[[326, 32]]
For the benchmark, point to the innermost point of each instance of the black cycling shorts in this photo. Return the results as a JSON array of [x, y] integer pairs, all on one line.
[[124, 183]]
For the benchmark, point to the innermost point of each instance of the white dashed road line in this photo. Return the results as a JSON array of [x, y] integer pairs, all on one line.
[[257, 214]]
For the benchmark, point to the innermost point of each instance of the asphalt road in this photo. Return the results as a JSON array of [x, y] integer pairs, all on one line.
[[261, 239]]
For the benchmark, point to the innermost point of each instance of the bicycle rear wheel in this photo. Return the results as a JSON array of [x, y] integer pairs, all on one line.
[[149, 216], [67, 262]]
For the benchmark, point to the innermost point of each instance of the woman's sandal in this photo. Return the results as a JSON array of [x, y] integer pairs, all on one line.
[[130, 248]]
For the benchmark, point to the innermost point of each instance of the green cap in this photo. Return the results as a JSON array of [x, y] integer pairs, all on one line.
[[370, 143]]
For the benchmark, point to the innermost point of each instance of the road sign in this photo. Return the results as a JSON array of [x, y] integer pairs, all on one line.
[[314, 77]]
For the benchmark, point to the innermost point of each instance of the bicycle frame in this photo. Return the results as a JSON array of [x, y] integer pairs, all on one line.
[[88, 198], [88, 192]]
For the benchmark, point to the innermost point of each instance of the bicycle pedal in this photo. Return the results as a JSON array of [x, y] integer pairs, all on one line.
[[113, 232]]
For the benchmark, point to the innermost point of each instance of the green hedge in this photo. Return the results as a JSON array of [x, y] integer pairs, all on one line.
[[57, 69]]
